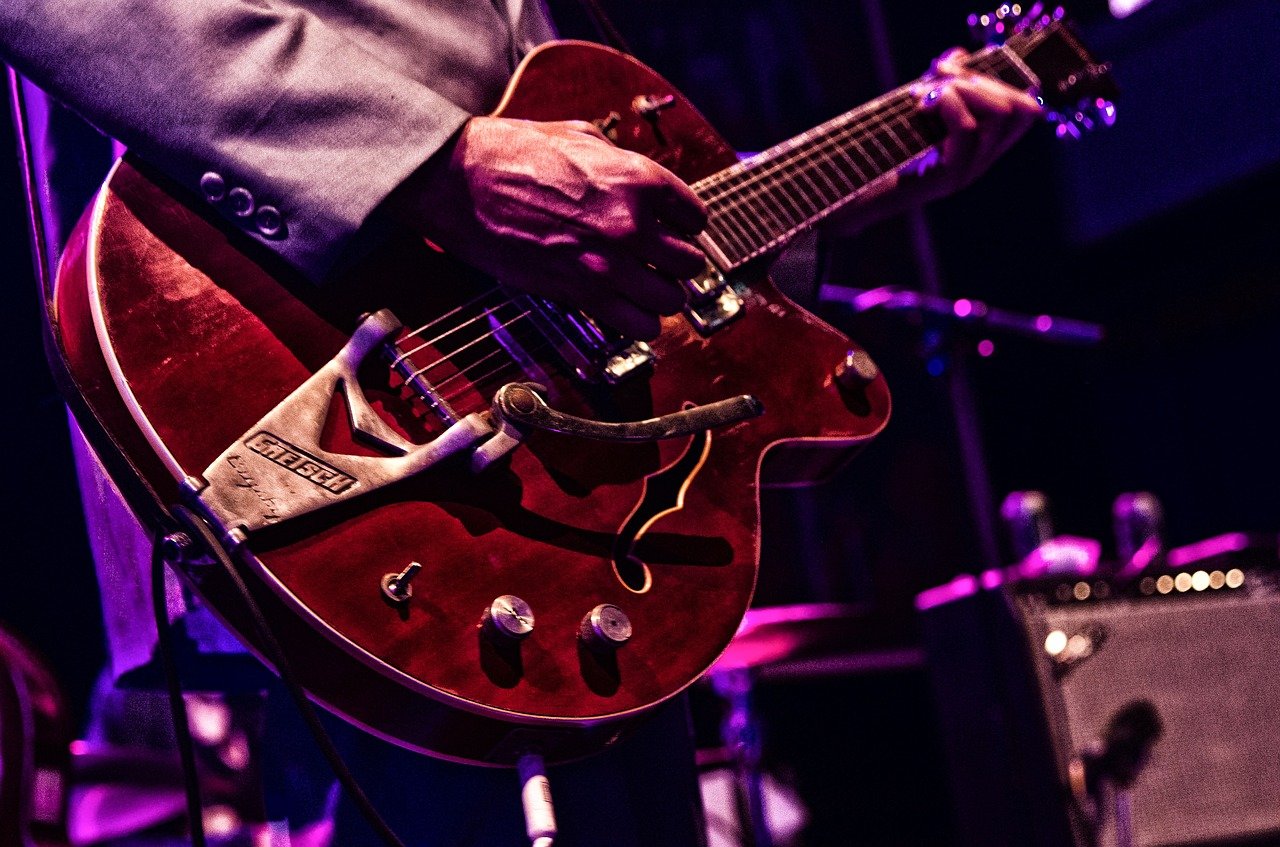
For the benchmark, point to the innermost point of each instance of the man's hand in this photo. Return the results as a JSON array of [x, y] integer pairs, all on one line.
[[554, 209], [983, 118]]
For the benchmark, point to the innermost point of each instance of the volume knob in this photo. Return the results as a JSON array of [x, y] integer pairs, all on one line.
[[606, 627], [508, 618]]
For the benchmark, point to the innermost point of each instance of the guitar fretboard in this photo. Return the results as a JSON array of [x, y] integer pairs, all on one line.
[[761, 203]]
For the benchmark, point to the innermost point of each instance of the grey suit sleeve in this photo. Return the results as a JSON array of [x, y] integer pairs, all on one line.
[[267, 97]]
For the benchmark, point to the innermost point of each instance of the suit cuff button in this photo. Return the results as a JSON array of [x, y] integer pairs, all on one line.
[[242, 203], [269, 221], [213, 186]]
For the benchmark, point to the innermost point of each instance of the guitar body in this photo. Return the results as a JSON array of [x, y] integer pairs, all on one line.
[[180, 337]]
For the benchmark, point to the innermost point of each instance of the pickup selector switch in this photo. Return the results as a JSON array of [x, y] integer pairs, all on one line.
[[605, 628], [397, 587], [508, 618]]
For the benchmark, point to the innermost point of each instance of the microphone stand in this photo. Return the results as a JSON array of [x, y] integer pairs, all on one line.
[[959, 386], [965, 313], [945, 318]]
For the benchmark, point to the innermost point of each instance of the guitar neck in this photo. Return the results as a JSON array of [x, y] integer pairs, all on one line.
[[759, 204]]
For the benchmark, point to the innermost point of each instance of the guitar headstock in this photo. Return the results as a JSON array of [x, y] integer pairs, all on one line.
[[1076, 89]]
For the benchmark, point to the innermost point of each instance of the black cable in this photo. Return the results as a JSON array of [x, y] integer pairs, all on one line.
[[177, 705], [275, 655]]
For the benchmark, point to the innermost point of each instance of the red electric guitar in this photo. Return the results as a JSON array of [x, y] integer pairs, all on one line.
[[480, 523]]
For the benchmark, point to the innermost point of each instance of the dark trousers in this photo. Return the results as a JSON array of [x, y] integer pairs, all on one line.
[[641, 793]]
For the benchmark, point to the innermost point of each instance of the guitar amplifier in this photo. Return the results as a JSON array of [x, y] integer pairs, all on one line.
[[1032, 676]]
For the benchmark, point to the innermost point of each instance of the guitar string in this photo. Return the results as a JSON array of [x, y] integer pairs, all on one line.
[[747, 222], [881, 113], [464, 372], [473, 301], [837, 136], [758, 185], [854, 119], [457, 328], [766, 209], [804, 157], [852, 127], [541, 343], [420, 371], [805, 160]]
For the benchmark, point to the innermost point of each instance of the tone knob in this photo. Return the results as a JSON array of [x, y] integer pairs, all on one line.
[[606, 627], [508, 617], [856, 369]]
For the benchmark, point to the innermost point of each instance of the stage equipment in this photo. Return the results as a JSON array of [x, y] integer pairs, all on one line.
[[804, 641], [1099, 705], [582, 506], [35, 736]]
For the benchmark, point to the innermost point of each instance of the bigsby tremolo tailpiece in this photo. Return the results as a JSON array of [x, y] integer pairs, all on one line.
[[277, 470]]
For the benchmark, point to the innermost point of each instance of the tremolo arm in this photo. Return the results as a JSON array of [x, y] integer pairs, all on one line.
[[518, 407]]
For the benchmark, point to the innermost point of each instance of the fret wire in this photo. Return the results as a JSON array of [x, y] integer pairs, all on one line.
[[807, 172], [888, 128], [839, 135], [845, 132], [802, 171], [885, 150], [737, 244], [823, 158], [746, 225], [836, 125], [761, 187], [803, 159], [841, 142], [905, 120], [780, 204], [770, 212], [838, 140], [835, 141], [791, 190], [983, 63]]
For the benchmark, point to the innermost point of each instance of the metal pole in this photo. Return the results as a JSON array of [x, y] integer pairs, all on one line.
[[960, 394]]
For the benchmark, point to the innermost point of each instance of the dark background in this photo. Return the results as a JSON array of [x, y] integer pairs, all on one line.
[[1162, 229]]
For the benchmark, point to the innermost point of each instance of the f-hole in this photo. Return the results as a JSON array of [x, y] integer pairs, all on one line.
[[663, 494]]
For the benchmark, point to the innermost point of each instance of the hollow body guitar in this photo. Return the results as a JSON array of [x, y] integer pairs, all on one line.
[[453, 504]]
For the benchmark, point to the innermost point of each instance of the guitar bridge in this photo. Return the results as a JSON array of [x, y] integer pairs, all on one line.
[[713, 301]]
